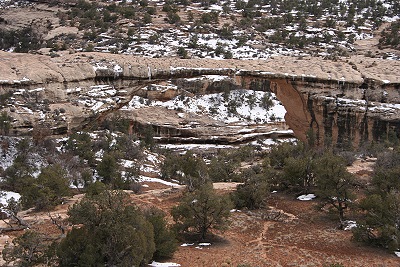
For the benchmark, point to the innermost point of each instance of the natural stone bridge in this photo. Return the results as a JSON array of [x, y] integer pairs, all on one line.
[[344, 102]]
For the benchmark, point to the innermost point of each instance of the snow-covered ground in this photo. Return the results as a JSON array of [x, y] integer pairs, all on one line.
[[241, 44], [185, 147], [306, 197], [164, 264], [8, 151], [231, 34], [348, 225], [157, 180], [242, 105], [207, 46]]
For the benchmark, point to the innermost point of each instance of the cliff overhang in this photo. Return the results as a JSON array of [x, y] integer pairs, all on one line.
[[345, 102]]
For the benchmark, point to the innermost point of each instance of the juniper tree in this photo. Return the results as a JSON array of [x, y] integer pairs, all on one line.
[[108, 230], [253, 193], [334, 183], [381, 223], [201, 210], [46, 191], [188, 169]]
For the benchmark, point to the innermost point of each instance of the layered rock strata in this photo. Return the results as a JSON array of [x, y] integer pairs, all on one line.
[[342, 102]]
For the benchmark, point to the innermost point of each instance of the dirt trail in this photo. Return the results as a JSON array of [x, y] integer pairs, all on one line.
[[259, 241]]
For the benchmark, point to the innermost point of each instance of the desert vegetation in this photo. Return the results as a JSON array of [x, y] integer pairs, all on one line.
[[44, 182], [124, 191], [324, 28]]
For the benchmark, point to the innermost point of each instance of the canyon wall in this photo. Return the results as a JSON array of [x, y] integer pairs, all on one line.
[[344, 103], [346, 114]]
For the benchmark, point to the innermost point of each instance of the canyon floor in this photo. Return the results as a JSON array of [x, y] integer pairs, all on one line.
[[70, 72], [300, 236], [289, 233]]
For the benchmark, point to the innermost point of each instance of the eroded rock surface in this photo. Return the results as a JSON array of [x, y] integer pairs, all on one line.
[[344, 101]]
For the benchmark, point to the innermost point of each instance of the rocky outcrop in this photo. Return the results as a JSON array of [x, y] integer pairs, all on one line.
[[171, 126], [337, 112], [344, 102]]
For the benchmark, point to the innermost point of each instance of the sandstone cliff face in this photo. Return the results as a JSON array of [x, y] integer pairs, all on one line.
[[345, 114], [344, 103]]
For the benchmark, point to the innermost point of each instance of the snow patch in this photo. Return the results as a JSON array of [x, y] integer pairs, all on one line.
[[157, 180], [306, 197], [187, 244], [252, 107], [349, 225], [118, 69], [164, 264]]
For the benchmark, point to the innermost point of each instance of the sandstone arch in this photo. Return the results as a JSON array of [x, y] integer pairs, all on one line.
[[343, 104]]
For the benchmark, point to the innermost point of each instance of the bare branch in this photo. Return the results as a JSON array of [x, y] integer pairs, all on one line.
[[58, 222], [11, 229]]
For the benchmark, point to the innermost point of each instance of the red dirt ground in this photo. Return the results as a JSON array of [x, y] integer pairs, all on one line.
[[302, 237], [307, 238]]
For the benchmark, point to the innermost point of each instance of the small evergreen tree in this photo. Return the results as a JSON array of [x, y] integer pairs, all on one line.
[[200, 211], [108, 169], [253, 193], [334, 183], [48, 190], [164, 238], [188, 169], [182, 53], [81, 144], [380, 225], [281, 152], [108, 231], [298, 173], [147, 139], [222, 169]]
